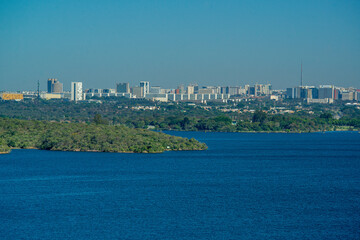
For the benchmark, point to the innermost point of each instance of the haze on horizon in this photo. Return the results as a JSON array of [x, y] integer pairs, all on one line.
[[179, 42]]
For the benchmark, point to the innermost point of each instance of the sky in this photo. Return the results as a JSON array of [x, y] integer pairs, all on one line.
[[217, 43]]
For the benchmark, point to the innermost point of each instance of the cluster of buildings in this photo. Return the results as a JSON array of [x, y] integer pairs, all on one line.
[[323, 93], [190, 93]]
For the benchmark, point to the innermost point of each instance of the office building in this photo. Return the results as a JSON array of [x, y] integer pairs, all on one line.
[[49, 96], [122, 88], [357, 95], [155, 89], [262, 89], [109, 91], [315, 93], [54, 86], [181, 89], [326, 91], [290, 93], [190, 89], [76, 91], [146, 87], [251, 91], [233, 91], [348, 96], [196, 88], [94, 90], [11, 96], [138, 92]]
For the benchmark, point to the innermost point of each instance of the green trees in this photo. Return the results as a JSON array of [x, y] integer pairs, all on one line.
[[326, 115], [99, 120], [185, 117], [259, 116], [219, 123], [4, 148], [87, 137]]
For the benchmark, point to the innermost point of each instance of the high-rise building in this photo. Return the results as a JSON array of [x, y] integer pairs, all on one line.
[[224, 90], [357, 95], [146, 87], [304, 93], [190, 89], [247, 89], [122, 88], [348, 96], [290, 93], [138, 92], [315, 93], [181, 89], [49, 84], [336, 94], [326, 91], [233, 91], [262, 89], [196, 88], [54, 86], [251, 91], [76, 91]]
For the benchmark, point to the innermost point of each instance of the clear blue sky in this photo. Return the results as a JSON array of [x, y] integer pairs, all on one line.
[[172, 42]]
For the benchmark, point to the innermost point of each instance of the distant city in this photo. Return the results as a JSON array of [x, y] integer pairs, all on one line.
[[325, 94]]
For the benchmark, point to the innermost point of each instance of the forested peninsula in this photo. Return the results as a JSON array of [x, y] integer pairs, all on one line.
[[45, 135]]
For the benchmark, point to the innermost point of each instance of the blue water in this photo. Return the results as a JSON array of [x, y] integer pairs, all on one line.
[[246, 186]]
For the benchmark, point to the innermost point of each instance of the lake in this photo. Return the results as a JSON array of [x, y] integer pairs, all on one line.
[[245, 186]]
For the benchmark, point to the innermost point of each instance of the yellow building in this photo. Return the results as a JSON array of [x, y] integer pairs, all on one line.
[[12, 96]]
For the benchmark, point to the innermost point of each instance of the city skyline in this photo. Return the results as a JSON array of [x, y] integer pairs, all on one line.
[[49, 85], [193, 92], [171, 43]]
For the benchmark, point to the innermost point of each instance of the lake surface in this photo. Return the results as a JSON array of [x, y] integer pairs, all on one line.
[[246, 186]]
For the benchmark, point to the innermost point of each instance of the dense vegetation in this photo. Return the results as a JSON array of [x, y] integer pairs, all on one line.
[[254, 116], [98, 137]]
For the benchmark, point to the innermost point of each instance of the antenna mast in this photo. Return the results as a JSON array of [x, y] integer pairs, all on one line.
[[301, 82], [38, 89]]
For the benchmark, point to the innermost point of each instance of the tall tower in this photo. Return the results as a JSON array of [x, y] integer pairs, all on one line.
[[146, 87], [76, 91], [301, 82], [54, 86], [38, 90]]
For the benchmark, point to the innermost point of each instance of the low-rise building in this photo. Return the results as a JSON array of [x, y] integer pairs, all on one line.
[[49, 96], [12, 96], [322, 100]]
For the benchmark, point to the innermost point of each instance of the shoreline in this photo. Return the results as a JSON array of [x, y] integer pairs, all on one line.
[[96, 151], [173, 130]]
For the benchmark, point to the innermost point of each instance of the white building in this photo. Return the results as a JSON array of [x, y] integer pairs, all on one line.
[[146, 87], [76, 91]]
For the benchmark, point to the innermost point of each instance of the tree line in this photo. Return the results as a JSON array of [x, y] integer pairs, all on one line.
[[181, 116], [96, 136]]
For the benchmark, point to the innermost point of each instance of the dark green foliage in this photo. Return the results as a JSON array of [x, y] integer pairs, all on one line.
[[326, 115], [259, 116], [284, 123], [4, 148], [99, 120], [88, 137], [199, 117], [220, 123]]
